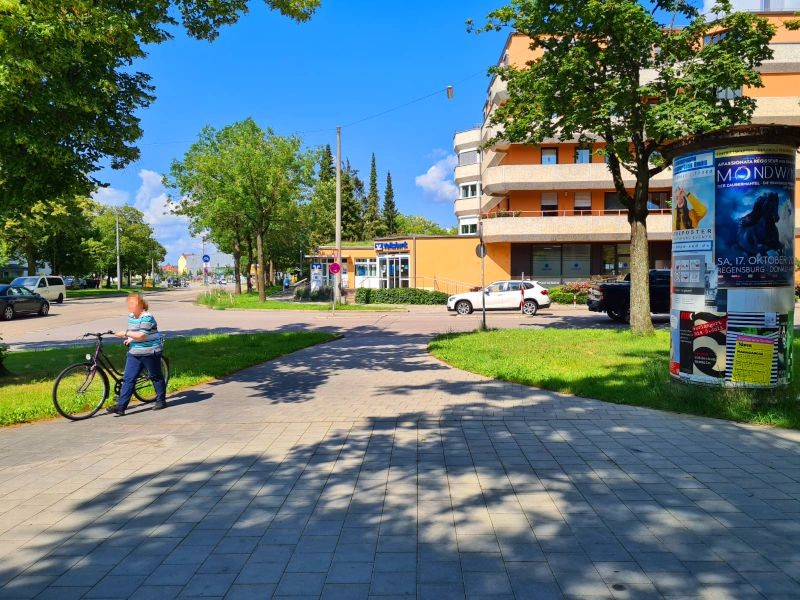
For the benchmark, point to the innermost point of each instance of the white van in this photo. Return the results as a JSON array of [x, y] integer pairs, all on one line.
[[51, 288]]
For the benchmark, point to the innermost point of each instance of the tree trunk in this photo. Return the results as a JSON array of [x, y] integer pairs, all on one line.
[[30, 256], [250, 261], [237, 257], [271, 272], [260, 268], [640, 323]]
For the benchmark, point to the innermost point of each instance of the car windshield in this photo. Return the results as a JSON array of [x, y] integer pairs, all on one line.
[[19, 291], [26, 281]]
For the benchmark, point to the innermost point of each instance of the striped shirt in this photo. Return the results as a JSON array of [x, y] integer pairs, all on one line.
[[146, 324]]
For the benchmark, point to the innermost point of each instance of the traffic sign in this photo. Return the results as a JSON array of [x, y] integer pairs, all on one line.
[[206, 258], [480, 250], [335, 268]]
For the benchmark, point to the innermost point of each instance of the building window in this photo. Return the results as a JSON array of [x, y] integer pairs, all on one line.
[[468, 157], [709, 40], [658, 200], [583, 156], [729, 94], [583, 203], [469, 228], [611, 202], [549, 156], [549, 204], [470, 190]]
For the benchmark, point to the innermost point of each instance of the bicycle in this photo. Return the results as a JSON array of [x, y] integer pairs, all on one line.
[[81, 389]]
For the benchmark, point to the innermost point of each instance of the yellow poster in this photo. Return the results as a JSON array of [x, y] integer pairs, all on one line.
[[752, 360]]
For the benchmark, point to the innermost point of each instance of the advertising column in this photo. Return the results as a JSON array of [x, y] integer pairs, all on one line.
[[733, 265]]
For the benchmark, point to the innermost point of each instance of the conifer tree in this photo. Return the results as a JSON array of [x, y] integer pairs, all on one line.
[[372, 226], [390, 213]]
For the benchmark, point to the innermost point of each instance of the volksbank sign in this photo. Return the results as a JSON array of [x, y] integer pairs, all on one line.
[[391, 246]]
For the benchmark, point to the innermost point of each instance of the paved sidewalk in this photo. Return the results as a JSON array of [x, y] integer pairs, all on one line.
[[365, 468]]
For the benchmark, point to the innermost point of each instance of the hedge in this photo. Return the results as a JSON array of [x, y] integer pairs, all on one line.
[[560, 296], [399, 296]]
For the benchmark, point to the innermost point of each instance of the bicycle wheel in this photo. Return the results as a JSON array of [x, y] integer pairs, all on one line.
[[144, 390], [80, 391]]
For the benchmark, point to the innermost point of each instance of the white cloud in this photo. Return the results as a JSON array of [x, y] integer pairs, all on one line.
[[437, 182], [171, 230], [111, 196]]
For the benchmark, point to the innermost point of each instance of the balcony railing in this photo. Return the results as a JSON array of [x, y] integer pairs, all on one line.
[[574, 212]]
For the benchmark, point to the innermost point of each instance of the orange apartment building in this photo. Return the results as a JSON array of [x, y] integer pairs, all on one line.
[[552, 209]]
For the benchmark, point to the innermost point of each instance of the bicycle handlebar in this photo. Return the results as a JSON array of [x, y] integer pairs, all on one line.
[[98, 335]]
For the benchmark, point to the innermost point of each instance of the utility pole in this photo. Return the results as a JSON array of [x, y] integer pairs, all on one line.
[[337, 291], [119, 265]]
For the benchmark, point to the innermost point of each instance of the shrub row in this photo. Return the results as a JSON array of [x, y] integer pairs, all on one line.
[[559, 295], [399, 296]]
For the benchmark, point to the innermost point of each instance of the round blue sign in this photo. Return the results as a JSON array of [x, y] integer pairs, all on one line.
[[206, 258]]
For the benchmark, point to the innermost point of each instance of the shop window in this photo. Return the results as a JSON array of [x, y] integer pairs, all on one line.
[[547, 263], [583, 156], [576, 261], [549, 156], [549, 204]]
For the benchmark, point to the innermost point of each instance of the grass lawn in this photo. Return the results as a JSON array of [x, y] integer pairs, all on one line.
[[614, 366], [25, 393], [225, 300]]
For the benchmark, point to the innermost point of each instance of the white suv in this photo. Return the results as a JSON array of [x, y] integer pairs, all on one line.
[[49, 287], [527, 296]]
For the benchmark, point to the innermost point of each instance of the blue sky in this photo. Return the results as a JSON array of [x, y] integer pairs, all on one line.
[[355, 58]]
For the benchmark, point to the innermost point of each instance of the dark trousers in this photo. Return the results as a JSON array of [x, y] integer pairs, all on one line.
[[133, 366]]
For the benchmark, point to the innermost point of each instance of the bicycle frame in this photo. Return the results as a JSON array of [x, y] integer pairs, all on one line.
[[100, 360]]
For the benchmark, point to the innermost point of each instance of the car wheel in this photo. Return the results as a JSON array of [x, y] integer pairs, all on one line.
[[44, 309], [8, 313], [463, 307], [530, 307], [619, 316], [60, 298]]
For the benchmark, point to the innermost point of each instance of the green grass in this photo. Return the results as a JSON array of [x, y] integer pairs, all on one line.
[[223, 300], [614, 366], [25, 392]]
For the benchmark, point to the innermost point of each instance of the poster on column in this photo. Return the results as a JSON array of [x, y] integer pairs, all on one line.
[[694, 280], [755, 216]]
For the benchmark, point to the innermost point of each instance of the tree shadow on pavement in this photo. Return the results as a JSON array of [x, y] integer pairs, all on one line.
[[648, 506]]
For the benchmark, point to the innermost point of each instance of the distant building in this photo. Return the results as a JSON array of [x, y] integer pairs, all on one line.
[[170, 269], [192, 263]]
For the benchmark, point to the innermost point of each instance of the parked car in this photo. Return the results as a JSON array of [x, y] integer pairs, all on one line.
[[74, 283], [527, 296], [51, 288], [615, 298], [17, 300]]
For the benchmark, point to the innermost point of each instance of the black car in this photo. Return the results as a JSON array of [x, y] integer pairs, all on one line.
[[16, 300]]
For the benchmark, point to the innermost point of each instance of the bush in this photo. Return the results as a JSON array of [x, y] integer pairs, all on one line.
[[577, 287], [322, 294], [560, 295], [399, 296]]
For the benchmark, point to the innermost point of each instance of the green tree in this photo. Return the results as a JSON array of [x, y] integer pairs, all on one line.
[[319, 215], [419, 225], [352, 204], [50, 231], [69, 97], [390, 214], [372, 226], [587, 83]]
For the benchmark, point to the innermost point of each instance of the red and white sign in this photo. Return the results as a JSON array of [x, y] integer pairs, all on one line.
[[335, 268]]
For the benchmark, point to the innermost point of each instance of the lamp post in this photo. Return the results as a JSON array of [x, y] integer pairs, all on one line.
[[119, 264]]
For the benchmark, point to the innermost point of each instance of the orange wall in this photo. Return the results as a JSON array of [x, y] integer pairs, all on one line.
[[527, 154], [776, 84]]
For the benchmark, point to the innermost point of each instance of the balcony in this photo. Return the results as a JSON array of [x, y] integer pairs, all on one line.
[[467, 173], [783, 110], [467, 140], [573, 226], [498, 91], [466, 207], [500, 180]]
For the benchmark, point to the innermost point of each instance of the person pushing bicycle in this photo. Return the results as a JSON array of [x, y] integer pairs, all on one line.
[[145, 347]]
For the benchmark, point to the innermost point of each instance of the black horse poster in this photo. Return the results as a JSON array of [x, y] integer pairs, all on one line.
[[755, 217]]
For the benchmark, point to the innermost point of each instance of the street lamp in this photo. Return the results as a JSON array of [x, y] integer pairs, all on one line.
[[119, 264]]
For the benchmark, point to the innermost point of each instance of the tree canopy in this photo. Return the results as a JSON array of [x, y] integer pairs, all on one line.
[[68, 93]]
